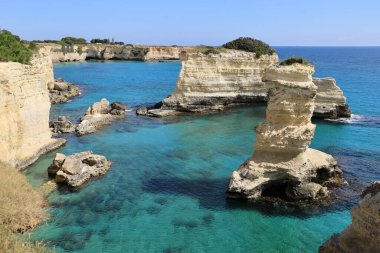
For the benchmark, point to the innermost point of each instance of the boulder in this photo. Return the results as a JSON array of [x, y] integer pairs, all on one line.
[[62, 91], [75, 170], [142, 110], [62, 125], [118, 108], [99, 115]]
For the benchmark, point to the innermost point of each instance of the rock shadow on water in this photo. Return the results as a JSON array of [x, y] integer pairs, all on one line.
[[211, 194]]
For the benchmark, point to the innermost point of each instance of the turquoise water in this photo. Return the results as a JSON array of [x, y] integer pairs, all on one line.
[[166, 189]]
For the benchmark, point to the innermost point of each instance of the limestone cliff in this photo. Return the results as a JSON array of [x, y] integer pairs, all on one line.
[[330, 102], [113, 52], [24, 110], [209, 82], [282, 159], [213, 81], [363, 235]]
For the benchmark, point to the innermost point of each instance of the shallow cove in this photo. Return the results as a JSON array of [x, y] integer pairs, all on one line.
[[166, 189]]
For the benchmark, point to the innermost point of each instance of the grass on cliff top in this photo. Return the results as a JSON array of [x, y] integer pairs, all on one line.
[[21, 209], [250, 45], [293, 60], [13, 49]]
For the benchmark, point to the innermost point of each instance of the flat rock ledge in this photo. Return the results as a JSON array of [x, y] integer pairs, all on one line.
[[363, 235], [52, 145], [76, 169], [62, 91], [98, 115], [283, 166]]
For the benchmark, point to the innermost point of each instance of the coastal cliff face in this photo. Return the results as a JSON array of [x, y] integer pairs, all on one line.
[[363, 235], [209, 82], [24, 111], [282, 159], [113, 52]]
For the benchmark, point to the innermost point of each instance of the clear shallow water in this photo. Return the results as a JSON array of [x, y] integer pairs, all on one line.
[[166, 189]]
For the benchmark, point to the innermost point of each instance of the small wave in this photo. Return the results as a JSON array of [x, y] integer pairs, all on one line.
[[361, 120]]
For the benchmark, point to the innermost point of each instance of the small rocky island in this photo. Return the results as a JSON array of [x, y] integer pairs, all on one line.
[[100, 114], [62, 91], [75, 170], [283, 165], [214, 79]]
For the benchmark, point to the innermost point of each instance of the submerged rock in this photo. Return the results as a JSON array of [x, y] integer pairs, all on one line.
[[62, 91], [62, 126], [283, 165], [363, 235], [99, 115], [76, 169]]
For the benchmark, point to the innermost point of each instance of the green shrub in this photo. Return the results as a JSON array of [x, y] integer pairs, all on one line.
[[294, 60], [73, 40], [250, 45], [211, 51], [12, 49]]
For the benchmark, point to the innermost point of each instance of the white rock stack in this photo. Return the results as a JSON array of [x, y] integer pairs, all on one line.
[[283, 165]]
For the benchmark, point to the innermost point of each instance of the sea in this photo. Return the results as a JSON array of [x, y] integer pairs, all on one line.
[[166, 189]]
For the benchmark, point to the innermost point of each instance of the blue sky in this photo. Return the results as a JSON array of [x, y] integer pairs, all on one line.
[[181, 22]]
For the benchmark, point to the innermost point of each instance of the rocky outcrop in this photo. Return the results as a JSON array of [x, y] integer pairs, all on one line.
[[24, 111], [113, 52], [62, 91], [77, 169], [363, 235], [210, 82], [330, 102], [282, 164], [62, 126], [99, 115]]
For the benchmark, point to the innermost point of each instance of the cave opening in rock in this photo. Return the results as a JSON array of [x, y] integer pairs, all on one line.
[[276, 189]]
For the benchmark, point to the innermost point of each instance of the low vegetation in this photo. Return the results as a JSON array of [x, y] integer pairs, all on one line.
[[21, 209], [293, 60], [13, 49], [73, 41], [250, 45]]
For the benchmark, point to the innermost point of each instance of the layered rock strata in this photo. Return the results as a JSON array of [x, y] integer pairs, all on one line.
[[209, 82], [77, 169], [330, 102], [62, 91], [99, 115], [363, 235], [24, 111], [113, 52], [282, 164]]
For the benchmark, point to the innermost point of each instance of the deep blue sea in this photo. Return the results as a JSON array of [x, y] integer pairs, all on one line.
[[166, 189]]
